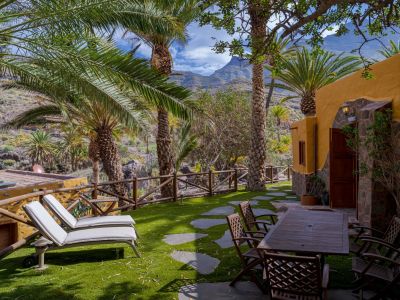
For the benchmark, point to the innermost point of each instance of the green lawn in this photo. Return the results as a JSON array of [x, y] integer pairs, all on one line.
[[113, 271]]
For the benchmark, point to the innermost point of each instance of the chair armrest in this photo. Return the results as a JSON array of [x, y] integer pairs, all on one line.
[[267, 215], [325, 276], [261, 222], [365, 228], [243, 238], [258, 232], [380, 257], [380, 242]]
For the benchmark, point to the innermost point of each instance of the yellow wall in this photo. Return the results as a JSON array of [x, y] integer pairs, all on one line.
[[383, 87], [304, 130]]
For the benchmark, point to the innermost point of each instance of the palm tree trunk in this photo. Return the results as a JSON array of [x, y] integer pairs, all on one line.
[[257, 155], [94, 156], [162, 61], [109, 155], [307, 104]]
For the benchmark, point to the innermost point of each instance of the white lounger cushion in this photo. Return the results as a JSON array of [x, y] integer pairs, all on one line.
[[60, 210], [101, 234], [45, 223], [73, 223], [50, 229], [105, 221]]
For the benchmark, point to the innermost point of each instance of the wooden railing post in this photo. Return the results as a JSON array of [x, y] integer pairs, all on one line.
[[288, 172], [235, 182], [210, 182], [134, 192], [271, 174], [175, 187], [95, 191]]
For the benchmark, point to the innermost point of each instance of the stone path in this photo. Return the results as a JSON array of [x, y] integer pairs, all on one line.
[[277, 194], [252, 202], [182, 238], [220, 211], [202, 263], [262, 198], [243, 290], [225, 241], [207, 223], [220, 291]]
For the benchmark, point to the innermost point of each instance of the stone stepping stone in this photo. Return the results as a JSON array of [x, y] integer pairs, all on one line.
[[207, 223], [262, 198], [182, 238], [262, 211], [277, 194], [220, 211], [243, 290], [202, 263], [252, 202], [225, 241], [291, 197]]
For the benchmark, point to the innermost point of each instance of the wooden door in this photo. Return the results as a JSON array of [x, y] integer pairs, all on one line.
[[342, 172]]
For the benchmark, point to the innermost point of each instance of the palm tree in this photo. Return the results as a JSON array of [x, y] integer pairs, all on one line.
[[307, 71], [186, 143], [279, 113], [185, 11], [257, 155], [108, 91], [40, 148], [392, 50]]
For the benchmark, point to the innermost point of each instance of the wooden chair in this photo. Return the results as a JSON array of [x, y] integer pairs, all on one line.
[[366, 242], [250, 258], [254, 223], [371, 267], [296, 277]]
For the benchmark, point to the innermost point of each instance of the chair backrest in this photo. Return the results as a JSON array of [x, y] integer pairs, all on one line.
[[393, 231], [235, 227], [297, 275], [46, 225], [60, 211], [248, 215]]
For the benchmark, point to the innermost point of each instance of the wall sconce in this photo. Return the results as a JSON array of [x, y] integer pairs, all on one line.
[[348, 111]]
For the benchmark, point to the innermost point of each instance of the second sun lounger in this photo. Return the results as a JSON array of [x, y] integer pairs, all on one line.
[[68, 219], [51, 230]]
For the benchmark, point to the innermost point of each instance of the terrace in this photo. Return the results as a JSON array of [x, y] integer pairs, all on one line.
[[166, 268]]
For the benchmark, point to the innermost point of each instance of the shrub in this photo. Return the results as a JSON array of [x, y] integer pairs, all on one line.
[[9, 162]]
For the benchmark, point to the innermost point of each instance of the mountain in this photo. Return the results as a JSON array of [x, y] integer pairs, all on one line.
[[237, 72]]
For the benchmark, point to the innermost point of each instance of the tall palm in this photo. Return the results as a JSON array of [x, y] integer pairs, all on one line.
[[280, 114], [257, 155], [307, 71], [109, 90], [393, 49], [185, 11]]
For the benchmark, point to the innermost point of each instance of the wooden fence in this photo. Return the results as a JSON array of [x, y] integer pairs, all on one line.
[[100, 199]]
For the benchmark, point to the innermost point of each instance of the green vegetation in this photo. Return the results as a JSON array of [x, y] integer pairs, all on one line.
[[309, 70], [393, 49], [96, 272]]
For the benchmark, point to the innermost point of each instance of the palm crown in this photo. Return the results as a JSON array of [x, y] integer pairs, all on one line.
[[306, 71]]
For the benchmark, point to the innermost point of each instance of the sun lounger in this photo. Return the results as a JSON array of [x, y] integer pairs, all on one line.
[[52, 231], [68, 219]]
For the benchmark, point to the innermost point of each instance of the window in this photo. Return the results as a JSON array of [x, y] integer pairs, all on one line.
[[302, 153]]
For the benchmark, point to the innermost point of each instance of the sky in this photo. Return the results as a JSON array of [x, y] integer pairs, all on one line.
[[196, 55]]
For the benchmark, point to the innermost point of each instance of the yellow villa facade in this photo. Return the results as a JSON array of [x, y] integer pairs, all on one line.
[[319, 146]]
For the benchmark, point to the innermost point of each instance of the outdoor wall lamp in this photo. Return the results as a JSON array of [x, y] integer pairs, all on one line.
[[348, 111]]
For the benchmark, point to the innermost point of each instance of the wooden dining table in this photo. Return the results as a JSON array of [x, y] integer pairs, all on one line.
[[305, 231]]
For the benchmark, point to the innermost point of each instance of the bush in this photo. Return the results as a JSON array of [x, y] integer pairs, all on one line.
[[9, 162], [7, 148]]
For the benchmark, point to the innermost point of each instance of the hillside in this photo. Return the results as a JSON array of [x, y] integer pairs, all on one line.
[[237, 72]]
